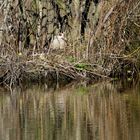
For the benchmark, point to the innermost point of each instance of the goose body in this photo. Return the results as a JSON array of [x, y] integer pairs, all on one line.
[[58, 42]]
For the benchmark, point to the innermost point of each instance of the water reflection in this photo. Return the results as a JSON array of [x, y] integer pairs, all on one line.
[[97, 112]]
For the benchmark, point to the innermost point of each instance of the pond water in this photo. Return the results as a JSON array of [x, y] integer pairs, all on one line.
[[101, 111]]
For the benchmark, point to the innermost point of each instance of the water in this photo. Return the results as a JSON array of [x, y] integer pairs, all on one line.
[[102, 111]]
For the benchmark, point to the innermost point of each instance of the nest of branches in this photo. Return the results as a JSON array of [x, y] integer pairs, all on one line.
[[18, 69]]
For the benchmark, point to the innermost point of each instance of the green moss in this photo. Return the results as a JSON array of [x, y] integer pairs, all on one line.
[[81, 66]]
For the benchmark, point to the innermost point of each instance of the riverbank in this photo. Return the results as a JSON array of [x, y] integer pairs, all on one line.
[[102, 40], [18, 69]]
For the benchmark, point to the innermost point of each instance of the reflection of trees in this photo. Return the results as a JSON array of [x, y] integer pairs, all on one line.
[[101, 113], [9, 118]]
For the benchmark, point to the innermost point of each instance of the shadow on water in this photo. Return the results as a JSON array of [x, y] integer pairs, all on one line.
[[102, 111]]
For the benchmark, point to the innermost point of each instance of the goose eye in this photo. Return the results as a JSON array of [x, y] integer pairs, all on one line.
[[61, 34]]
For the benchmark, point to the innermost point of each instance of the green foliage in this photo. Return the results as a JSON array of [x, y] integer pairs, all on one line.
[[70, 59], [81, 66]]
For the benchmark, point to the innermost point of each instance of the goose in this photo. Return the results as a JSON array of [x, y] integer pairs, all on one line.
[[58, 42]]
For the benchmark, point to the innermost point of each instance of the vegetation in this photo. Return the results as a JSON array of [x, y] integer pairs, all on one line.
[[103, 39]]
